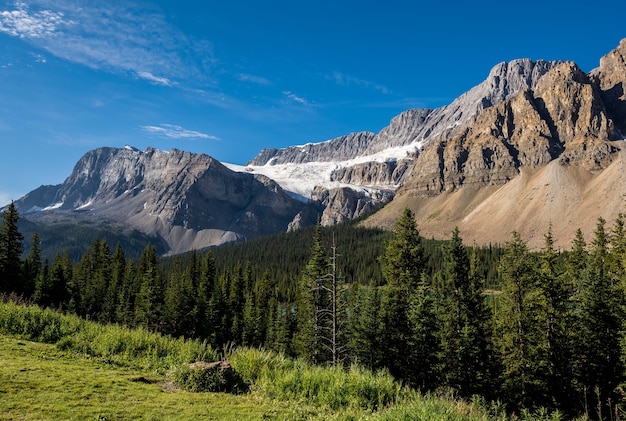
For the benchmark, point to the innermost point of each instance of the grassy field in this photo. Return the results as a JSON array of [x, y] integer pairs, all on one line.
[[39, 382], [59, 367]]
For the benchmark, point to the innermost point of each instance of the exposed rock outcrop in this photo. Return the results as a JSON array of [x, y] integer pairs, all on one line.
[[562, 117], [344, 204], [611, 79]]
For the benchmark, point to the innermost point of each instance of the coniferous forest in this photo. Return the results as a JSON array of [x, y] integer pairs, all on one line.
[[527, 328]]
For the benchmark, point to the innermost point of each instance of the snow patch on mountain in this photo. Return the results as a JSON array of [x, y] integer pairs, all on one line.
[[301, 179]]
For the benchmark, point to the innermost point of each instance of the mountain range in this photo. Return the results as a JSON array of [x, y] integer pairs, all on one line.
[[538, 144]]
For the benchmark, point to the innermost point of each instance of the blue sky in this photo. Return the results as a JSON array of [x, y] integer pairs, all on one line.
[[228, 78]]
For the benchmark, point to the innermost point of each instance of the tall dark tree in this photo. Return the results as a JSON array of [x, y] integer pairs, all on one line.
[[554, 305], [423, 345], [149, 301], [11, 247], [116, 283], [310, 298], [32, 265], [600, 327], [365, 341], [402, 266], [464, 322], [517, 327]]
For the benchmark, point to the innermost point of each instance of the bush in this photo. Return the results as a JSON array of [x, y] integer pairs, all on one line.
[[207, 377]]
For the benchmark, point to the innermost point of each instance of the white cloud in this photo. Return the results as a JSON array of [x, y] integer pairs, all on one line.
[[112, 36], [295, 98], [347, 80], [155, 79], [244, 77], [24, 24], [172, 131]]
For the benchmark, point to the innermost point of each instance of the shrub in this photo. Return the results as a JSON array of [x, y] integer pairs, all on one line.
[[207, 377]]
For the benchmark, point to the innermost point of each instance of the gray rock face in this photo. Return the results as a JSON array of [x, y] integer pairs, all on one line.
[[344, 204], [338, 149], [376, 174], [189, 200]]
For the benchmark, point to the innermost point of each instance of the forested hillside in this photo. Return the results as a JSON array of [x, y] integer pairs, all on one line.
[[530, 329]]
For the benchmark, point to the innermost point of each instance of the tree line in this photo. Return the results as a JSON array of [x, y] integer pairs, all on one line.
[[549, 332]]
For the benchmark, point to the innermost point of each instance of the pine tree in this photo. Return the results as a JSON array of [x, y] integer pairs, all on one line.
[[310, 298], [517, 327], [402, 266], [206, 285], [149, 300], [32, 265], [423, 346], [179, 302], [117, 282], [554, 306], [600, 327], [11, 246], [463, 315], [365, 341]]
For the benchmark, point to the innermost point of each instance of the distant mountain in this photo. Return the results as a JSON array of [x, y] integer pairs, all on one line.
[[536, 144], [182, 199]]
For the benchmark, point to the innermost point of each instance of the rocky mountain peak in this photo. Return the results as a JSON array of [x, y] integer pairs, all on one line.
[[611, 79]]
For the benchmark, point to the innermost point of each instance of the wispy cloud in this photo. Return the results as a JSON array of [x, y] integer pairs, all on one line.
[[22, 23], [112, 36], [172, 131], [296, 98], [347, 80], [155, 79], [244, 77]]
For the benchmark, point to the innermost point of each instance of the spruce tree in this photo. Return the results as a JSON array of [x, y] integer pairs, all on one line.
[[402, 266], [422, 340], [463, 318], [149, 300], [601, 367], [11, 247], [310, 297], [517, 328], [553, 297], [32, 265]]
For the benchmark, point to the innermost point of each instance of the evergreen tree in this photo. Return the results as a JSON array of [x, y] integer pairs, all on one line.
[[517, 328], [463, 315], [554, 313], [179, 302], [600, 327], [206, 285], [11, 246], [423, 345], [32, 265], [402, 266], [149, 301], [365, 341], [117, 282], [311, 298]]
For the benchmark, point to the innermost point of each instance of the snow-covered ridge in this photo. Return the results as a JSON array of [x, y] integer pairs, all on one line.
[[302, 178]]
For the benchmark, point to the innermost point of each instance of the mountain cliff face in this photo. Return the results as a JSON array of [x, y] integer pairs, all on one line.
[[563, 117], [552, 155], [188, 200]]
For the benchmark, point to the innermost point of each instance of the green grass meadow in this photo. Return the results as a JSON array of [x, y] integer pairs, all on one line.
[[60, 367]]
